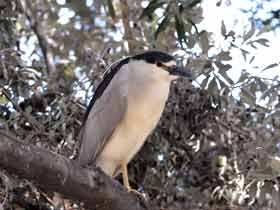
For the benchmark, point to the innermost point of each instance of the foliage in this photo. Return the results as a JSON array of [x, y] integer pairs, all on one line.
[[272, 19], [217, 142]]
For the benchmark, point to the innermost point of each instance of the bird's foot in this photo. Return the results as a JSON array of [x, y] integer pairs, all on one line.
[[130, 190], [141, 196]]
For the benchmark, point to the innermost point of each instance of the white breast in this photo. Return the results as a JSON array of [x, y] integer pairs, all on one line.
[[146, 101]]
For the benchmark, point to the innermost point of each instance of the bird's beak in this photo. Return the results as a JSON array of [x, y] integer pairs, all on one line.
[[180, 71]]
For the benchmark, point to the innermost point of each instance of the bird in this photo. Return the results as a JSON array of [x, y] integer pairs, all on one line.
[[125, 108]]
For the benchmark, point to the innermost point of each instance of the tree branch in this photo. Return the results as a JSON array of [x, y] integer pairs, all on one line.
[[56, 173], [43, 40], [28, 117], [127, 30]]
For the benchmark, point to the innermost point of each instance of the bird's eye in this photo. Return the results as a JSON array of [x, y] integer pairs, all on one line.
[[159, 64]]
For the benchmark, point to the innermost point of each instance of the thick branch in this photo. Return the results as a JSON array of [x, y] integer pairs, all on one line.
[[56, 173]]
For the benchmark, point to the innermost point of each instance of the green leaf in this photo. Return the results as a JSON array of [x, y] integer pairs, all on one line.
[[213, 87], [266, 93], [270, 66], [191, 41], [252, 59], [275, 114], [222, 84], [226, 77], [204, 42], [162, 26], [231, 33], [248, 97], [225, 56], [244, 53], [223, 29], [153, 5], [200, 65], [250, 33], [261, 85], [204, 82], [263, 42], [244, 75], [28, 109], [252, 45], [223, 67], [191, 4], [3, 99], [180, 29]]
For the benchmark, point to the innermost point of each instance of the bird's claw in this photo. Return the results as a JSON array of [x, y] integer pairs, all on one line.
[[130, 190], [141, 196]]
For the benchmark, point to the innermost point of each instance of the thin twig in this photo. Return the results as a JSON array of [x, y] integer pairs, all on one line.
[[127, 30], [29, 118], [236, 130], [5, 179], [42, 38], [102, 56]]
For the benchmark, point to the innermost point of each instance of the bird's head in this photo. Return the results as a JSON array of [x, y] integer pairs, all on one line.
[[162, 64]]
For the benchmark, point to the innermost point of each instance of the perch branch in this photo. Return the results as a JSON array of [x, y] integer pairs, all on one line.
[[57, 173]]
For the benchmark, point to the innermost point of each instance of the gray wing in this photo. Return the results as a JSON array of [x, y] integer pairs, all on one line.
[[104, 116]]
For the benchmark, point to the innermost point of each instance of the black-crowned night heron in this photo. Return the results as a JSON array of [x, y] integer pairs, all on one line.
[[125, 108]]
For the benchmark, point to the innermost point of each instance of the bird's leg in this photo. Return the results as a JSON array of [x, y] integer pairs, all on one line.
[[126, 181], [125, 176]]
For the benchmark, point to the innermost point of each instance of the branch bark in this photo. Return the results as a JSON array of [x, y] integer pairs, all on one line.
[[57, 173]]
